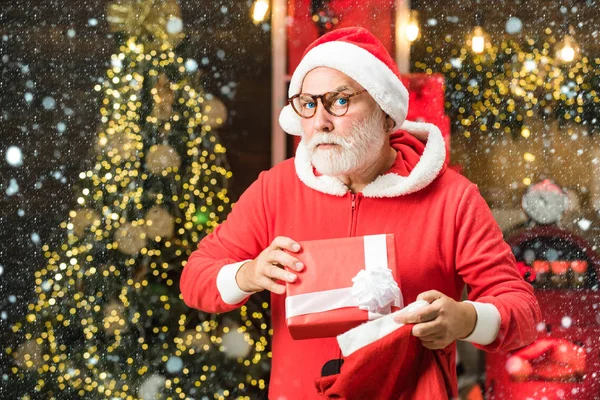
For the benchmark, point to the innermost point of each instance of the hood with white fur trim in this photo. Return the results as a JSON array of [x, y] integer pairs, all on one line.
[[424, 171]]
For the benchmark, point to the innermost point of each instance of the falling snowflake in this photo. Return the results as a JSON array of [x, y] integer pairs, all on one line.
[[14, 156], [13, 187], [514, 25], [584, 224]]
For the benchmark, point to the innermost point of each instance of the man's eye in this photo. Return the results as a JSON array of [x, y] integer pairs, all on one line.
[[342, 101], [309, 105]]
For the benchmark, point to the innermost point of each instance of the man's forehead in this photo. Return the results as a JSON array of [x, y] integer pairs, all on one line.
[[323, 79]]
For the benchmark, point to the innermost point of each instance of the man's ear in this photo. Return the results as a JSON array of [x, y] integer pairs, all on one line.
[[389, 123]]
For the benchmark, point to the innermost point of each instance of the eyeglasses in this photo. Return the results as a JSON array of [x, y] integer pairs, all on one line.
[[336, 103]]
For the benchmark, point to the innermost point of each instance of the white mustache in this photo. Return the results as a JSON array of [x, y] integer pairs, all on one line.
[[323, 138]]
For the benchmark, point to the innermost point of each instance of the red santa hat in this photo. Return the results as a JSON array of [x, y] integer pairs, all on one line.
[[383, 360], [357, 53]]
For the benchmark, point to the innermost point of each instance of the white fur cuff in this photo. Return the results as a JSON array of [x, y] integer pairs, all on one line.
[[226, 284]]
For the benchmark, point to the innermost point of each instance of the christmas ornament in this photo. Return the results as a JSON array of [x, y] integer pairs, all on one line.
[[163, 97], [216, 113], [130, 238], [159, 223], [151, 388], [234, 343], [200, 218], [156, 22], [114, 318], [29, 355], [161, 158], [82, 219]]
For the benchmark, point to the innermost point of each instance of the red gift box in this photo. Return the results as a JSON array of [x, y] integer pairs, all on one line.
[[320, 302]]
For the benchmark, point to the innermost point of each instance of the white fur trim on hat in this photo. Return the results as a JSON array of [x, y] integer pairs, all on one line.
[[359, 64], [388, 185], [370, 332]]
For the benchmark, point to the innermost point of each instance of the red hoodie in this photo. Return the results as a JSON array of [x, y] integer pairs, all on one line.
[[445, 238]]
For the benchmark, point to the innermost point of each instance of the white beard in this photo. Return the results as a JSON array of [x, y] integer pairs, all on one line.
[[355, 152]]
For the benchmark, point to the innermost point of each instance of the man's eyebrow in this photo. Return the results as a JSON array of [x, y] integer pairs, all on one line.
[[342, 88]]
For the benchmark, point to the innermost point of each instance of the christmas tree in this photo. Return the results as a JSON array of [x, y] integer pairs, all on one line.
[[108, 319]]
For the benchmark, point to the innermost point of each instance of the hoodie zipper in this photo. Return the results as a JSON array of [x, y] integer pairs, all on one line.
[[355, 200]]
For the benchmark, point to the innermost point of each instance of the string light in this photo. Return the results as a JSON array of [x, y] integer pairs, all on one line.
[[259, 11], [412, 27], [478, 40], [568, 49]]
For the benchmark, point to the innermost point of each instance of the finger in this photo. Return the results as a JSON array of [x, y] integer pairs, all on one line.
[[271, 286], [282, 242], [272, 271], [284, 259], [424, 314], [433, 345], [427, 329], [430, 296]]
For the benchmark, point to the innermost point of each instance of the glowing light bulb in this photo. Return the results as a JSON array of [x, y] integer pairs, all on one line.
[[478, 40], [259, 11], [412, 28], [567, 53]]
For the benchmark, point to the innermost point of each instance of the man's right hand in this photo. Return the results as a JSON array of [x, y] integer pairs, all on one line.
[[260, 274]]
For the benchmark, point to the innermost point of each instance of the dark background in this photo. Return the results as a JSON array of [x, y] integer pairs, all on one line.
[[36, 47]]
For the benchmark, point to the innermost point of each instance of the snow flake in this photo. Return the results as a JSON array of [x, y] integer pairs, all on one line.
[[92, 22], [174, 25], [432, 22], [456, 62], [71, 33], [191, 65], [584, 224], [513, 25], [566, 321], [49, 103], [13, 187], [14, 156], [35, 238]]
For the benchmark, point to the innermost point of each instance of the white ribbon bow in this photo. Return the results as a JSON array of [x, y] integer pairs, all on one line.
[[375, 289]]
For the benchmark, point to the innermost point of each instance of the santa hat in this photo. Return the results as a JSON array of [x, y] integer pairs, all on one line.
[[383, 360], [357, 53]]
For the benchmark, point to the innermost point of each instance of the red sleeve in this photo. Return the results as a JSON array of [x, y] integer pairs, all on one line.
[[241, 237], [486, 264]]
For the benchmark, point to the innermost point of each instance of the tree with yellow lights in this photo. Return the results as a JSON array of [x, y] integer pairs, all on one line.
[[497, 90], [108, 320]]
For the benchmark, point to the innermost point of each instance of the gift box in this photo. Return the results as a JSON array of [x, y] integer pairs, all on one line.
[[344, 283]]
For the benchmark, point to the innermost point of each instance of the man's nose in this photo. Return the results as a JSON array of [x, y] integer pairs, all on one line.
[[322, 120]]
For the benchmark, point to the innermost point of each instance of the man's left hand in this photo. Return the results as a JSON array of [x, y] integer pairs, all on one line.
[[442, 322]]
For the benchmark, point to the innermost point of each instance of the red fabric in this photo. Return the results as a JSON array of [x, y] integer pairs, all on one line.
[[362, 38], [302, 30], [396, 367], [445, 237], [548, 359]]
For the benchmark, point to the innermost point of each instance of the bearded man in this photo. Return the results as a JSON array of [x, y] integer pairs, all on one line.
[[361, 169]]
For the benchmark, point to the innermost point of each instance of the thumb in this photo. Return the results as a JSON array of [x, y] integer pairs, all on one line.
[[430, 296]]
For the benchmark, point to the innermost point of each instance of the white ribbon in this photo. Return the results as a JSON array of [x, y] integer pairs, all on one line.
[[376, 272]]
